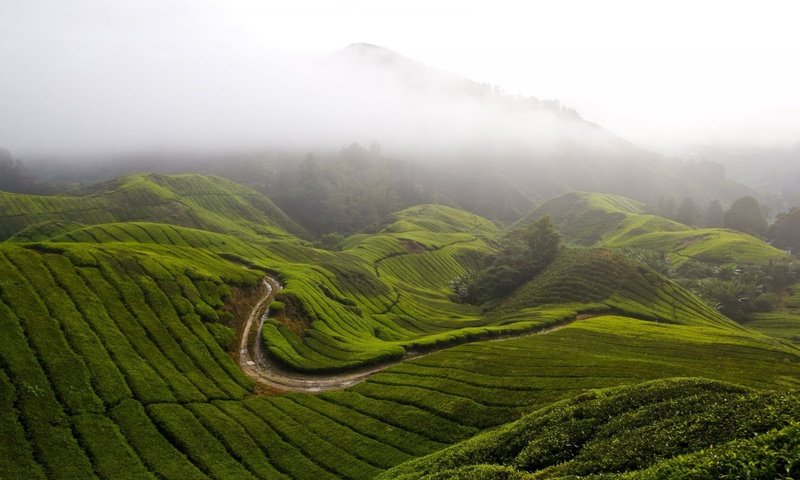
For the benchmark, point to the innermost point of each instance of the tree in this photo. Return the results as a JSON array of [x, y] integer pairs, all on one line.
[[347, 192], [687, 212], [785, 232], [523, 254], [745, 215], [496, 281], [666, 207], [14, 176], [330, 241], [544, 241], [713, 214]]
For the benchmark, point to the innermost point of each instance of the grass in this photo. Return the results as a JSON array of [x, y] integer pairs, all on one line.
[[781, 325], [209, 203], [113, 359], [709, 245], [618, 430], [595, 219]]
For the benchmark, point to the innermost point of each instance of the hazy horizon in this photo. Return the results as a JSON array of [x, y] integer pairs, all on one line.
[[101, 77]]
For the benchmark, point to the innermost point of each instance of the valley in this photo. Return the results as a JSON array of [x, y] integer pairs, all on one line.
[[128, 341], [349, 240]]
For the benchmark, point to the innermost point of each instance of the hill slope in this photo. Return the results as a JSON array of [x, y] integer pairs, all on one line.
[[210, 203], [127, 377], [614, 221], [118, 340], [542, 149], [642, 430]]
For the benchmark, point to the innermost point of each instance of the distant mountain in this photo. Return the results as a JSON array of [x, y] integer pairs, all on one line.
[[774, 173], [419, 77], [541, 147], [459, 142]]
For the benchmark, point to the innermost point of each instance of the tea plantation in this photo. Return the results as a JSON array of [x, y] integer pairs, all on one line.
[[614, 221], [119, 310]]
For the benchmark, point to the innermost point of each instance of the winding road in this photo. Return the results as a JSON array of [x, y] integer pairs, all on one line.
[[262, 368]]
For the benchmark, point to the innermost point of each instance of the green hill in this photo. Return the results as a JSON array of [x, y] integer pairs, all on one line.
[[613, 221], [117, 345], [127, 377], [783, 323], [609, 282], [684, 428], [209, 203], [153, 233]]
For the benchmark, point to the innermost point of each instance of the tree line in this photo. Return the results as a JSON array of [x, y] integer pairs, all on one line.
[[745, 215], [14, 177], [352, 191]]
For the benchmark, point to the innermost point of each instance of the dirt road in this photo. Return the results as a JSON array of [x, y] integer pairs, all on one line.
[[262, 368]]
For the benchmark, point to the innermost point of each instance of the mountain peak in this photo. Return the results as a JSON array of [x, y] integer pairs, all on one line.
[[374, 53], [364, 46]]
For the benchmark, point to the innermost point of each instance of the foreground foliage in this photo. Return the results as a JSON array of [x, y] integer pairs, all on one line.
[[664, 429]]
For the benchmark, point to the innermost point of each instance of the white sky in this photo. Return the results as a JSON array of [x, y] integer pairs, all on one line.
[[662, 74]]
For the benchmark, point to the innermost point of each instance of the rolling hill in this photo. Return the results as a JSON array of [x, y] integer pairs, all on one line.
[[118, 348], [209, 203], [682, 428], [618, 222]]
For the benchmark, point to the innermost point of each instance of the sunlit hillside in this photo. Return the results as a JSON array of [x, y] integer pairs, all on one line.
[[122, 345]]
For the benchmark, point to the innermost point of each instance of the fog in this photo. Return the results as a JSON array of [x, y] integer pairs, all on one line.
[[90, 91], [97, 77]]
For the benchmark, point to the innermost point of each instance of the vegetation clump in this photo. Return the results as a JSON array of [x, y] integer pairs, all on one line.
[[738, 291], [523, 253], [745, 215], [14, 177], [785, 232], [735, 290]]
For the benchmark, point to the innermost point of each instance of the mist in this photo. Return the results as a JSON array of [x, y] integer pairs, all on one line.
[[106, 101], [94, 78]]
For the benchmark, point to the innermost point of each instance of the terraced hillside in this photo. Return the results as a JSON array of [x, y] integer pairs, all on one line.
[[385, 294], [683, 428], [352, 307], [784, 323], [609, 283], [209, 203], [736, 273], [117, 358], [614, 221]]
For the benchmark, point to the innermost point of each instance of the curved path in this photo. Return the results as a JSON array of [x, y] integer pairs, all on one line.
[[259, 365]]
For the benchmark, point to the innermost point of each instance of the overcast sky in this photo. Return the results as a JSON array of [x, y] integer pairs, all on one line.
[[662, 74]]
